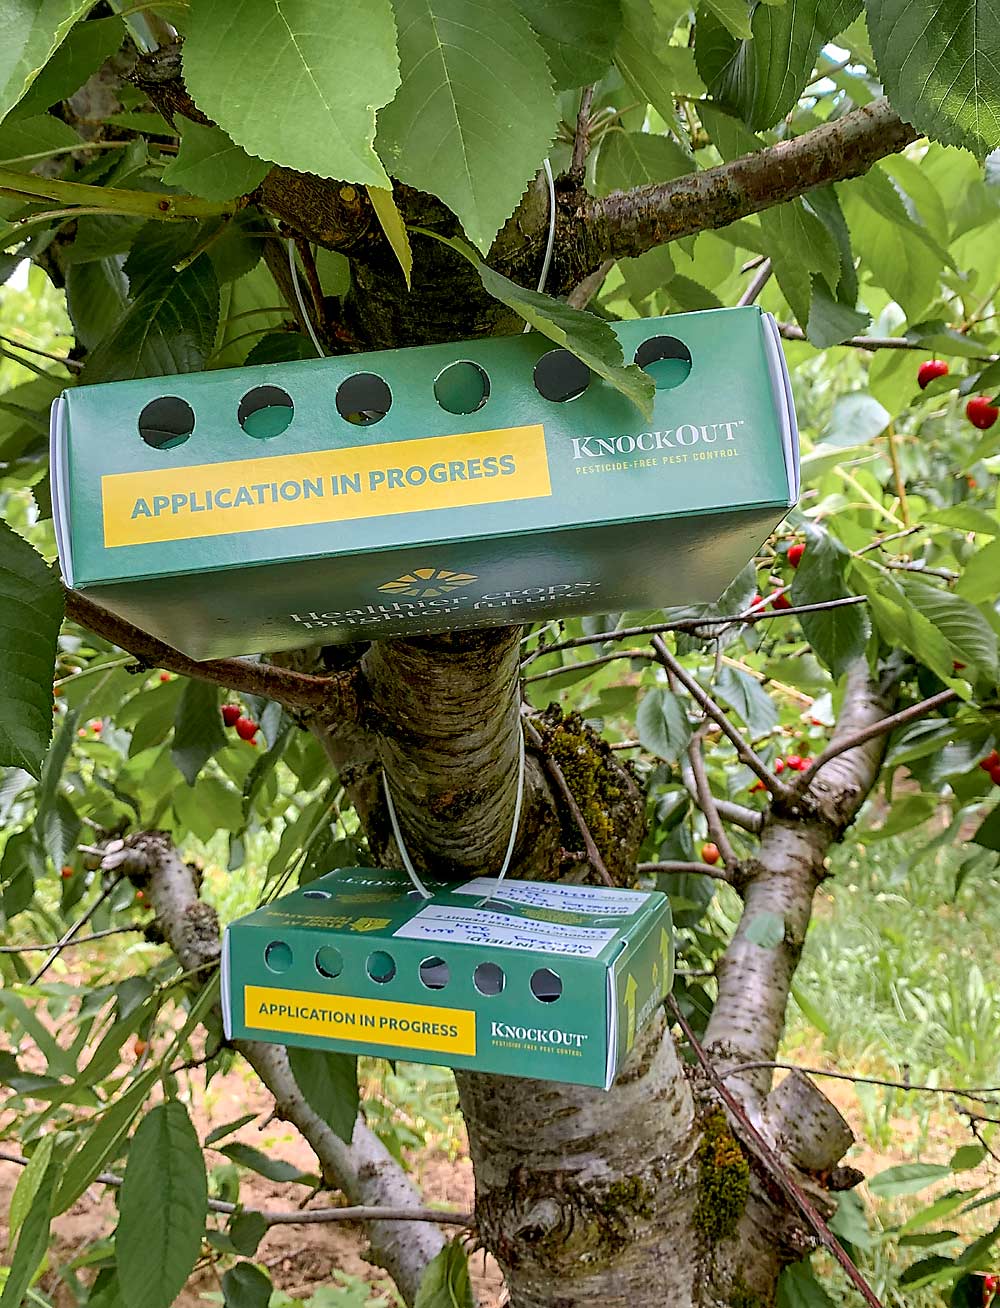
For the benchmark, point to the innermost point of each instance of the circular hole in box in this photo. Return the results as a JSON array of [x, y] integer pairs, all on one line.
[[489, 979], [561, 376], [278, 956], [380, 966], [329, 961], [166, 422], [316, 894], [462, 387], [546, 985], [363, 399], [435, 973], [265, 412], [666, 359]]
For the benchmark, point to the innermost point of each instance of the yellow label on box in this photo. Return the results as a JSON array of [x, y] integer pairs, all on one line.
[[370, 1021], [295, 490]]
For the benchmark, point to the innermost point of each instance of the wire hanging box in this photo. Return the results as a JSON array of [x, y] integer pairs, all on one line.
[[416, 490]]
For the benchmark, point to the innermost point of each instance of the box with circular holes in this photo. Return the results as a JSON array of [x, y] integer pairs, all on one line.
[[518, 977], [425, 489]]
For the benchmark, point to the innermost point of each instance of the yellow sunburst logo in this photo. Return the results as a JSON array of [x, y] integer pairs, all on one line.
[[426, 583]]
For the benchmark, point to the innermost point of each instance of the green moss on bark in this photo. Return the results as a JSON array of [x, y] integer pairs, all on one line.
[[723, 1180]]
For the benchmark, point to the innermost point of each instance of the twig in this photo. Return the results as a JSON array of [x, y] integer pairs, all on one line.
[[706, 800], [894, 720], [673, 866], [714, 711], [748, 618], [915, 565], [892, 436], [72, 364], [61, 945], [754, 1141], [977, 1092], [556, 774], [582, 294], [65, 939], [307, 1217], [793, 332], [336, 695], [760, 280], [590, 663], [581, 138], [750, 819]]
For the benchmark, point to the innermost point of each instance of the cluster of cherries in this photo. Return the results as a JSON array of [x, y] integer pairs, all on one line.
[[245, 728], [991, 1284], [991, 764], [779, 599], [979, 411]]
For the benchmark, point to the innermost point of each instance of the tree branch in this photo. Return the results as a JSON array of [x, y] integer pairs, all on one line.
[[626, 224], [706, 800], [843, 743], [556, 776], [714, 711], [364, 1169], [793, 332], [334, 697], [673, 866]]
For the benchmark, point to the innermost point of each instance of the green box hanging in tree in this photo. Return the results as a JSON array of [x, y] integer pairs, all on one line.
[[516, 977], [407, 491]]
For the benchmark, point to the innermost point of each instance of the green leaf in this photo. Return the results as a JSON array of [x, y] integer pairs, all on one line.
[[899, 623], [211, 164], [392, 224], [965, 517], [281, 347], [938, 65], [31, 609], [978, 583], [988, 832], [101, 1142], [747, 697], [966, 1157], [643, 59], [766, 930], [83, 51], [761, 79], [831, 322], [837, 636], [330, 1085], [588, 337], [29, 1183], [162, 1206], [940, 1208], [32, 1244], [801, 245], [275, 1169], [198, 732], [96, 298], [445, 1283], [798, 1287], [927, 1270], [169, 327], [578, 37], [966, 629], [246, 1286], [325, 72], [210, 806], [662, 724], [629, 159], [475, 113], [733, 14], [227, 1128], [246, 1230], [906, 1178], [30, 32]]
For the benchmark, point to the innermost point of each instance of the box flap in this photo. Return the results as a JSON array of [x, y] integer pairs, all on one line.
[[227, 1003], [59, 480], [782, 385]]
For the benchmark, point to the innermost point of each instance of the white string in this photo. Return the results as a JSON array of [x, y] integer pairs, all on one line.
[[301, 299], [401, 844], [550, 243]]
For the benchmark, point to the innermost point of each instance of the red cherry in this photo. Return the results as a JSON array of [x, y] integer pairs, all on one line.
[[246, 728], [57, 691], [164, 676], [957, 667], [757, 785], [794, 761], [66, 872], [81, 732], [991, 1284], [928, 371], [981, 413], [779, 765], [758, 602], [991, 761], [817, 722], [710, 853], [995, 775], [140, 898], [231, 713], [780, 601], [140, 1046], [97, 728], [795, 553]]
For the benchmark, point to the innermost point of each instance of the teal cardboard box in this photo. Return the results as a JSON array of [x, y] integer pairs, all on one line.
[[517, 977], [408, 491]]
